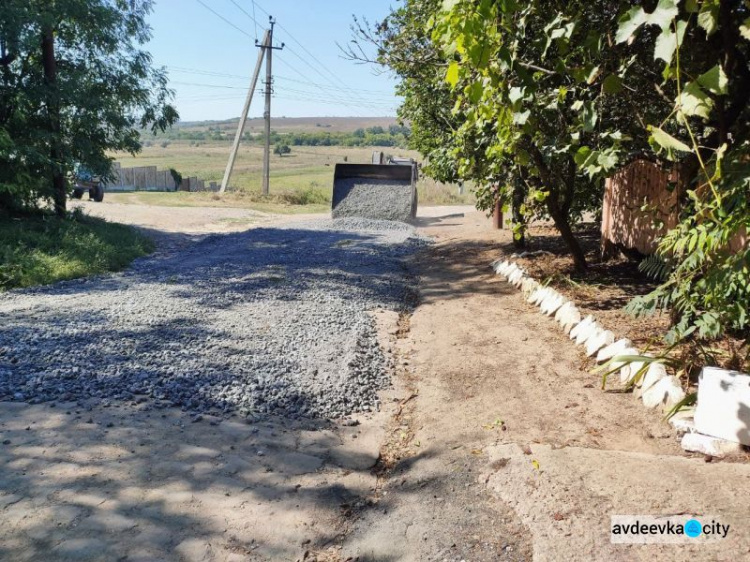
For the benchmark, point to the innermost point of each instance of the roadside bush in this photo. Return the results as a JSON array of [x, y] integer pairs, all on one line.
[[40, 248]]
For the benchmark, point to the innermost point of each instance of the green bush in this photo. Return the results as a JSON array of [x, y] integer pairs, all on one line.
[[39, 249]]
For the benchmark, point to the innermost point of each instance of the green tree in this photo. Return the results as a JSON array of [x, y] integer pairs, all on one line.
[[515, 98], [704, 47], [282, 149], [74, 85]]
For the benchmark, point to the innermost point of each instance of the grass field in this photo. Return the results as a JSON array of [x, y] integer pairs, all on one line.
[[41, 249], [302, 178]]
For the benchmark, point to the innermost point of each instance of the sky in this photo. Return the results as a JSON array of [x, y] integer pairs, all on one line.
[[210, 60]]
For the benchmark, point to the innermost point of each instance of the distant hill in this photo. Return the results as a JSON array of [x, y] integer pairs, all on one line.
[[295, 124]]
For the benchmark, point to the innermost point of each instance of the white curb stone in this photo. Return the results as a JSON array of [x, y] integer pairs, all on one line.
[[529, 286], [587, 332], [552, 304], [535, 295], [540, 295], [684, 421], [562, 311], [629, 371], [656, 372], [571, 320], [603, 339], [667, 392], [582, 325], [613, 350], [593, 331], [552, 295], [706, 445]]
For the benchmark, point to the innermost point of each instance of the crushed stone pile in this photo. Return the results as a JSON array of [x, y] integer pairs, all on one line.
[[271, 321]]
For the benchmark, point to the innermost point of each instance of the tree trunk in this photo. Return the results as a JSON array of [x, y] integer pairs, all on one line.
[[59, 186], [561, 222], [519, 220]]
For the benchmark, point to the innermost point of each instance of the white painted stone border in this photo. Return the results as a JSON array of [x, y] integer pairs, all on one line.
[[655, 389]]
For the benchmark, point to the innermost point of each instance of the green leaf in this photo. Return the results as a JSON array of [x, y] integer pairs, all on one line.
[[608, 160], [715, 81], [515, 94], [708, 17], [667, 141], [448, 5], [475, 92], [582, 155], [451, 76], [694, 101], [668, 42], [745, 29], [629, 23], [665, 12], [590, 117], [612, 84], [521, 117]]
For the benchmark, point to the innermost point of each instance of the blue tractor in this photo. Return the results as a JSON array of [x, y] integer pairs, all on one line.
[[83, 181]]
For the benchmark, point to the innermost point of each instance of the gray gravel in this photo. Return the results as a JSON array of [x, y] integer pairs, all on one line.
[[268, 321], [378, 199]]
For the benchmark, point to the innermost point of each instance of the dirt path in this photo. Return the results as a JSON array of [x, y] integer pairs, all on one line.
[[501, 392], [186, 220], [494, 444]]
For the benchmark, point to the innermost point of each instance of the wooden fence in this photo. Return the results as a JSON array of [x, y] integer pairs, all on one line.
[[150, 178], [642, 202]]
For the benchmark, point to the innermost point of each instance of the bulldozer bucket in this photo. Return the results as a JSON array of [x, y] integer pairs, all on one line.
[[386, 192]]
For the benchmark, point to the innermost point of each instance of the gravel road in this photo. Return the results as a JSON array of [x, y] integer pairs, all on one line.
[[267, 321]]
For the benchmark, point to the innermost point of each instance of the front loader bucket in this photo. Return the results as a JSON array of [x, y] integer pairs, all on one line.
[[386, 192]]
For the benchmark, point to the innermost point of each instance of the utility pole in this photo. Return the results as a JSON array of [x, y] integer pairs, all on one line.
[[268, 48], [243, 117]]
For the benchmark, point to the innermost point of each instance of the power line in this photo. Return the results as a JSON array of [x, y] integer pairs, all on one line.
[[334, 97], [184, 70], [313, 57], [241, 9], [217, 14], [256, 22]]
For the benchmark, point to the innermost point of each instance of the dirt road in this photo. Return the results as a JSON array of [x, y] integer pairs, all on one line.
[[514, 451], [494, 444]]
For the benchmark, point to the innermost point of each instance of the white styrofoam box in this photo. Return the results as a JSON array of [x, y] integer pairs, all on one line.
[[595, 343], [667, 392], [724, 405], [708, 445], [580, 326], [612, 350]]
